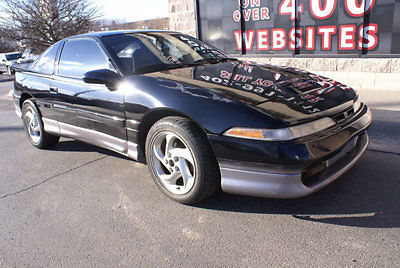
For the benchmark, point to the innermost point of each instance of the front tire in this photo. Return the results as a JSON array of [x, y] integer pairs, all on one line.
[[34, 127], [181, 160]]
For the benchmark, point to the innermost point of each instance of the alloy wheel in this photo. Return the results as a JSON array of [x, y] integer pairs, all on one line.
[[173, 162], [32, 125]]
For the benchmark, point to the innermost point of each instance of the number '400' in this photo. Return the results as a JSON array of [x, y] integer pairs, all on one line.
[[323, 9]]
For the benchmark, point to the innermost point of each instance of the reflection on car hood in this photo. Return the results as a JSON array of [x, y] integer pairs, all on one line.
[[287, 93]]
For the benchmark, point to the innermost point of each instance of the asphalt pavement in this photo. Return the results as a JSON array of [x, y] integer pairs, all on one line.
[[77, 205]]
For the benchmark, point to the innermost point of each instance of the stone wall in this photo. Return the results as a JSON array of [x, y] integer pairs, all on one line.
[[181, 16], [361, 73]]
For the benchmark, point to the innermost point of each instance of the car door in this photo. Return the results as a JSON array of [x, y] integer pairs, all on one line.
[[38, 84], [89, 112]]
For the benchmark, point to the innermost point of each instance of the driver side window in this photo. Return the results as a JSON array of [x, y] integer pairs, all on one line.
[[80, 56]]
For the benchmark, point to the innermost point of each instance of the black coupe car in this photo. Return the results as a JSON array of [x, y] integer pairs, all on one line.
[[200, 119]]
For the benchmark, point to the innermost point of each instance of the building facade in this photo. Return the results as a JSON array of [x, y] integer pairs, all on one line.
[[353, 41]]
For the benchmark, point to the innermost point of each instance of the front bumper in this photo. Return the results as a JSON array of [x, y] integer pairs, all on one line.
[[295, 168], [256, 180]]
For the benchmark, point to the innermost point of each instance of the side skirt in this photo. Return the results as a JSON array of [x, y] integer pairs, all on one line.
[[100, 139]]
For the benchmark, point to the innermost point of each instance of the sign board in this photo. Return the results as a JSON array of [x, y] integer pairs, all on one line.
[[302, 27]]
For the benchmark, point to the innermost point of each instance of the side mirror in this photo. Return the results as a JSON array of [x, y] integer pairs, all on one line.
[[103, 76]]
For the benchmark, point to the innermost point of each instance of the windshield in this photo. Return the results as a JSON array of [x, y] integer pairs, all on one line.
[[155, 51], [13, 56]]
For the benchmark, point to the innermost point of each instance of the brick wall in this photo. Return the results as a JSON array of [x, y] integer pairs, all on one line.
[[383, 73]]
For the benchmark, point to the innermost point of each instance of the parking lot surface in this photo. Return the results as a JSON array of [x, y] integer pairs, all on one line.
[[79, 205]]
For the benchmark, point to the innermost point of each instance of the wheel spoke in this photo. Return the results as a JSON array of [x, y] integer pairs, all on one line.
[[185, 171], [159, 155], [36, 127], [182, 153], [170, 178], [29, 115], [169, 138]]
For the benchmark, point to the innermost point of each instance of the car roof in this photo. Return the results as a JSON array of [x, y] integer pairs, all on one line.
[[118, 32]]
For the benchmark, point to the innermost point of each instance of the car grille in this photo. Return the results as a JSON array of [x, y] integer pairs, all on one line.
[[344, 115]]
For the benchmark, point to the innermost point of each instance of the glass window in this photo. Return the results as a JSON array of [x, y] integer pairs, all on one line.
[[45, 63], [13, 56], [156, 51], [80, 56]]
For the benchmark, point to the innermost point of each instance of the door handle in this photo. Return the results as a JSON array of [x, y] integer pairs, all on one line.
[[53, 89]]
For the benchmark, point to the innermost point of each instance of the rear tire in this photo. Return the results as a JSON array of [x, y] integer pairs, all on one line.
[[181, 160], [34, 127]]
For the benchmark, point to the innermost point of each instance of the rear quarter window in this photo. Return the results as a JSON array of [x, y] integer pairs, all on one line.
[[46, 62]]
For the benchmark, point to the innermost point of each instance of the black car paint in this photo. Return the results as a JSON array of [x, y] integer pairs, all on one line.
[[214, 104]]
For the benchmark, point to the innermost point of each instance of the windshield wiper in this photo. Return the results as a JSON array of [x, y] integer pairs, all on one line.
[[157, 67], [228, 58], [213, 60]]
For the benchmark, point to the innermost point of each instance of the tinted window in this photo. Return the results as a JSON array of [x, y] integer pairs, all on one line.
[[45, 63], [80, 56]]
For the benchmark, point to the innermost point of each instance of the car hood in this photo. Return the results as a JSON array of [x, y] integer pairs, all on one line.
[[290, 94]]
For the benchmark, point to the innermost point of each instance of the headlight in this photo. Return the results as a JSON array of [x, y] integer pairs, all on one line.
[[281, 134], [357, 105]]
